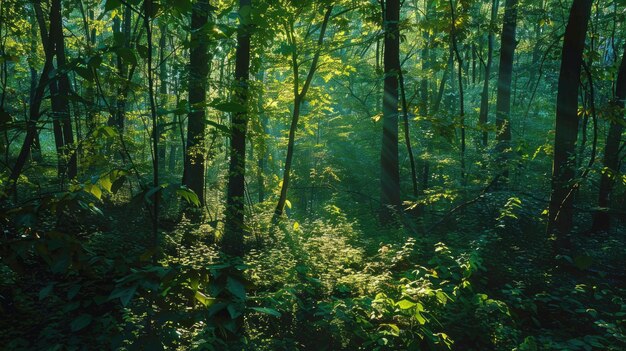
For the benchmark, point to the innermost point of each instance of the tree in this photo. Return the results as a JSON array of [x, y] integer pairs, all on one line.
[[505, 75], [59, 93], [454, 33], [34, 112], [234, 227], [483, 116], [611, 161], [193, 173], [560, 211], [298, 98], [389, 168]]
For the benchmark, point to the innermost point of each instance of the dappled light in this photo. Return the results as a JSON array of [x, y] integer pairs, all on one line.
[[312, 175]]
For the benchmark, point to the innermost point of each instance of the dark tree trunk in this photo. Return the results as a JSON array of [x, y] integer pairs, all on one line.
[[59, 93], [162, 93], [122, 28], [602, 219], [234, 227], [453, 34], [193, 174], [483, 116], [442, 83], [36, 148], [389, 167], [407, 135], [33, 111], [505, 74], [560, 211], [262, 150]]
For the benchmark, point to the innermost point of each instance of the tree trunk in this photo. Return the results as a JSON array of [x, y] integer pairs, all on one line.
[[295, 116], [560, 211], [262, 150], [33, 111], [162, 93], [59, 93], [193, 174], [389, 167], [407, 135], [234, 227], [505, 74], [602, 219], [36, 148], [442, 83], [453, 34], [483, 116]]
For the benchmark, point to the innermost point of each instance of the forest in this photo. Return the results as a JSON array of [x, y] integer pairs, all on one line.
[[312, 175]]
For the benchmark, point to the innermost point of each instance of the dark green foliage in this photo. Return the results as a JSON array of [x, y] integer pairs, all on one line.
[[153, 242]]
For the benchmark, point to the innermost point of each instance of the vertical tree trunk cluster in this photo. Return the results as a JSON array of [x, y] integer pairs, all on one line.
[[560, 211], [234, 229], [193, 175], [483, 116], [389, 168], [59, 92], [611, 161], [505, 75]]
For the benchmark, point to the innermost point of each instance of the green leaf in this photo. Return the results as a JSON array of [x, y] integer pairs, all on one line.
[[236, 288], [125, 295], [205, 300], [229, 107], [420, 319], [81, 322], [234, 310], [265, 310], [127, 55], [405, 304], [188, 195], [85, 73], [142, 50], [105, 183], [182, 5], [112, 4], [222, 128], [43, 293], [94, 190], [73, 291], [117, 184]]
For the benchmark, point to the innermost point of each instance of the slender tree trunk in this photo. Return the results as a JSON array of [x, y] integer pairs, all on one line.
[[234, 227], [560, 212], [505, 74], [59, 93], [193, 174], [442, 83], [34, 108], [389, 167], [407, 135], [474, 64], [483, 116], [424, 94], [295, 116], [534, 69], [147, 22], [36, 148], [602, 218], [162, 93], [459, 60], [262, 150]]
